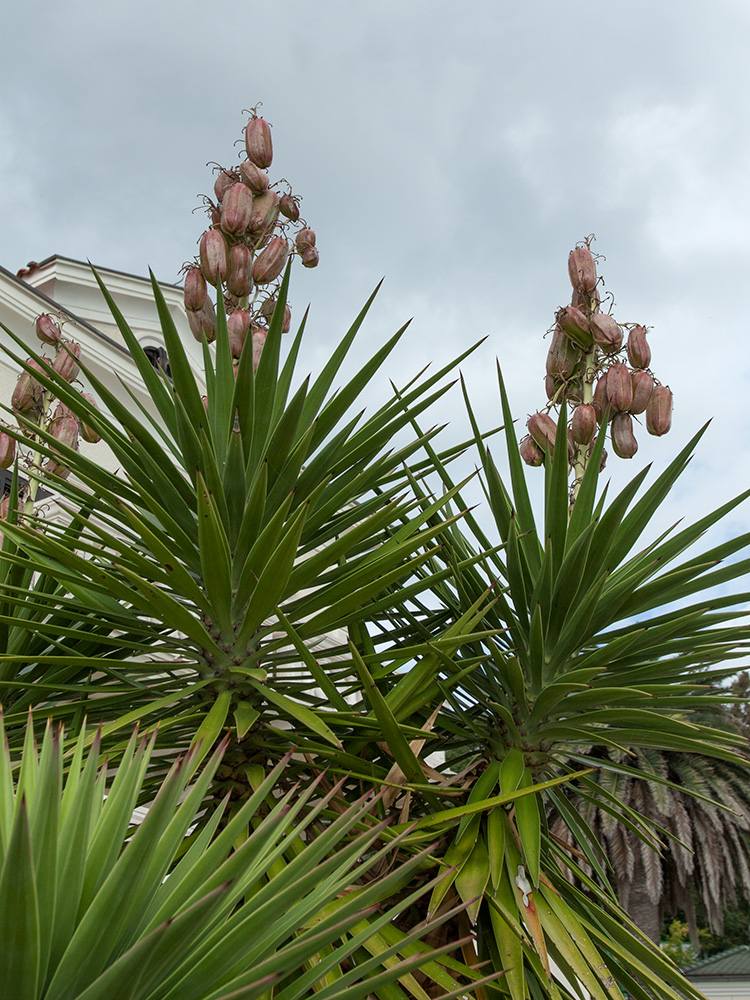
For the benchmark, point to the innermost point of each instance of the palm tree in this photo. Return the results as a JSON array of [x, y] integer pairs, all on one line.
[[699, 811]]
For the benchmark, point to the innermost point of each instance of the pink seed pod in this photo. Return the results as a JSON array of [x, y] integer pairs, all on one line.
[[259, 339], [310, 257], [288, 207], [304, 239], [28, 395], [65, 430], [87, 432], [583, 423], [61, 410], [659, 411], [530, 451], [203, 323], [66, 360], [264, 214], [195, 322], [587, 301], [195, 290], [269, 264], [55, 468], [236, 209], [606, 333], [619, 388], [255, 178], [258, 142], [563, 356], [639, 352], [267, 311], [47, 330], [239, 261], [551, 386], [208, 321], [643, 386], [575, 326], [600, 401], [238, 323], [603, 461], [224, 180], [213, 256], [572, 448], [7, 450], [582, 269], [623, 438], [543, 430]]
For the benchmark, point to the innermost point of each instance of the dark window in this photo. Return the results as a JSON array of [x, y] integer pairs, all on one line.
[[6, 478], [159, 359]]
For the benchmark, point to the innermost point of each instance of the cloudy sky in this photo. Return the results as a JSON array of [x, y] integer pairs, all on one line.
[[458, 150]]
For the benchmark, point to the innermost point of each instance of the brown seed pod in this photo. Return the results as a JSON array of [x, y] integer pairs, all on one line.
[[203, 323], [264, 214], [258, 142], [54, 468], [47, 329], [213, 256], [255, 178], [572, 448], [600, 401], [65, 428], [543, 430], [643, 385], [288, 207], [606, 333], [583, 423], [639, 352], [304, 239], [239, 262], [563, 356], [224, 180], [28, 395], [269, 264], [530, 451], [619, 388], [582, 269], [588, 302], [659, 411], [575, 326], [195, 290], [310, 257], [87, 432], [603, 460], [623, 438], [551, 385], [236, 209], [267, 310], [66, 360], [7, 450]]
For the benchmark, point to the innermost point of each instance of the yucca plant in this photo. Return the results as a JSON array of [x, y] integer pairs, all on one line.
[[92, 908], [240, 536], [594, 641], [266, 565]]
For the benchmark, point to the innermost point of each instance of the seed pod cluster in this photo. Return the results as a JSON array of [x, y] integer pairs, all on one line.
[[255, 227], [33, 403], [600, 367]]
